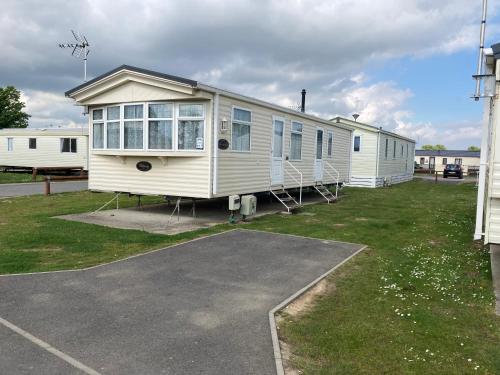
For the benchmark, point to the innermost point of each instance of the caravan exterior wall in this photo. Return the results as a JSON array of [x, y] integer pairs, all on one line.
[[379, 156], [251, 159], [37, 148]]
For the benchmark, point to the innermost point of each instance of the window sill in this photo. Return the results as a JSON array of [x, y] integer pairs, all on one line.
[[154, 153]]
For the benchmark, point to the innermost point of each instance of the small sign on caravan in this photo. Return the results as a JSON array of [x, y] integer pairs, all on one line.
[[143, 166], [199, 143]]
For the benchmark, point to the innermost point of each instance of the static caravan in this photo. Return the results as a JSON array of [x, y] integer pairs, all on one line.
[[379, 157], [436, 160], [30, 148], [157, 134]]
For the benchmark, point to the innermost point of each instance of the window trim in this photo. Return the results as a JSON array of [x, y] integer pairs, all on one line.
[[329, 153], [301, 139], [394, 144], [103, 122], [180, 118], [243, 123], [444, 161], [354, 142], [106, 121]]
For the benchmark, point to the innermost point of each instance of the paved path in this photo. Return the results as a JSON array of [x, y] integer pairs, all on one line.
[[196, 308], [33, 188]]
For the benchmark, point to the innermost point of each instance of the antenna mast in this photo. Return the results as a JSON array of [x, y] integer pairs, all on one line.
[[80, 50], [480, 61]]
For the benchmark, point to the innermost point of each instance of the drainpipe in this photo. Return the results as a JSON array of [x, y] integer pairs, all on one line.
[[215, 142], [378, 157], [483, 162]]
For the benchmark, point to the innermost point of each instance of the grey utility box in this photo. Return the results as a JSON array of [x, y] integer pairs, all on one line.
[[234, 202], [248, 205]]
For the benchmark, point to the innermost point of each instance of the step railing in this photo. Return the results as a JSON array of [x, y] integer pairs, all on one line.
[[335, 176], [298, 180]]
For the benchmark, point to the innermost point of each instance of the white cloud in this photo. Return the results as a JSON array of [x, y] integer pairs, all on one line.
[[51, 110]]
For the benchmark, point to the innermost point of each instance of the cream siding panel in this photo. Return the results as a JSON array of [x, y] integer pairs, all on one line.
[[249, 172], [137, 92], [180, 176], [400, 165], [47, 154], [364, 162]]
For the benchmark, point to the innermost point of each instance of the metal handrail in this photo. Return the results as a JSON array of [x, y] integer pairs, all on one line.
[[299, 182], [336, 179]]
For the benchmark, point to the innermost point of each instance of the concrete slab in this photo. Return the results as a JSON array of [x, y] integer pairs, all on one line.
[[158, 219], [34, 188], [495, 272], [196, 308]]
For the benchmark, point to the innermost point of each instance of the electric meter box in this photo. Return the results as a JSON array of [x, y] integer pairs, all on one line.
[[248, 205], [234, 202]]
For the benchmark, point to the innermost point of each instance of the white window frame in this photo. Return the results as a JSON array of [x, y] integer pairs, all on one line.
[[36, 143], [329, 153], [301, 139], [243, 123], [386, 152], [10, 144], [179, 118], [122, 126], [92, 122], [402, 150], [105, 135], [394, 144], [354, 142], [61, 145], [173, 119]]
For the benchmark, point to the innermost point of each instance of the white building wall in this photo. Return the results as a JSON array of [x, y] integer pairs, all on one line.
[[47, 153], [249, 172]]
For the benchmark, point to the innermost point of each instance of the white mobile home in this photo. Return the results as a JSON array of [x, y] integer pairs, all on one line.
[[44, 148], [157, 134], [436, 160], [379, 157]]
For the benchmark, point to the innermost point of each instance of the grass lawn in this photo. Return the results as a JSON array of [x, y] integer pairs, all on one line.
[[418, 301], [11, 178]]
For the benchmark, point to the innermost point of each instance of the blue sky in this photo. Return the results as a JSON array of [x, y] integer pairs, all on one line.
[[405, 65]]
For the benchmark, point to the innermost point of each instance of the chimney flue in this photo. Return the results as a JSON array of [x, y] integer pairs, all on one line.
[[303, 103]]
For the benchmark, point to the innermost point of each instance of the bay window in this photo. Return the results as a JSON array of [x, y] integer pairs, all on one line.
[[190, 127], [296, 141], [150, 126], [241, 124]]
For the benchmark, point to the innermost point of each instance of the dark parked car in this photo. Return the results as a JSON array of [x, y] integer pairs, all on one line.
[[453, 170]]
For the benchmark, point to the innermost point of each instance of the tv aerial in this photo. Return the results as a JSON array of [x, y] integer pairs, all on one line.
[[80, 50]]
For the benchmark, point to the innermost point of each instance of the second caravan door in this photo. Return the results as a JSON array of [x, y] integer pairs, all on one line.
[[277, 174], [318, 160]]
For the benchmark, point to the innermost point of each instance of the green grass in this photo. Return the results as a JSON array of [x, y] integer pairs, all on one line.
[[421, 261], [11, 178], [418, 301]]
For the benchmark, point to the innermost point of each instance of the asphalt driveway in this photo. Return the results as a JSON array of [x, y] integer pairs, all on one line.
[[196, 308], [34, 188]]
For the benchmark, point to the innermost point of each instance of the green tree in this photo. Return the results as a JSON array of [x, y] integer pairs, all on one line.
[[11, 109], [433, 147], [473, 148]]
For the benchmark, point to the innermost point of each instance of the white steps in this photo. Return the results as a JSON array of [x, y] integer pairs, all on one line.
[[325, 192], [285, 198]]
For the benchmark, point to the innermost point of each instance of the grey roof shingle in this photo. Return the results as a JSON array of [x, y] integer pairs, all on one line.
[[449, 153]]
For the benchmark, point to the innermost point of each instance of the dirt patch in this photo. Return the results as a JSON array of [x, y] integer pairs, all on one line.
[[286, 355], [339, 225], [306, 214], [297, 307], [306, 301]]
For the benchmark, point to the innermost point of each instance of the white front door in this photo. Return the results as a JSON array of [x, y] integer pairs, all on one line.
[[277, 175], [318, 160]]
